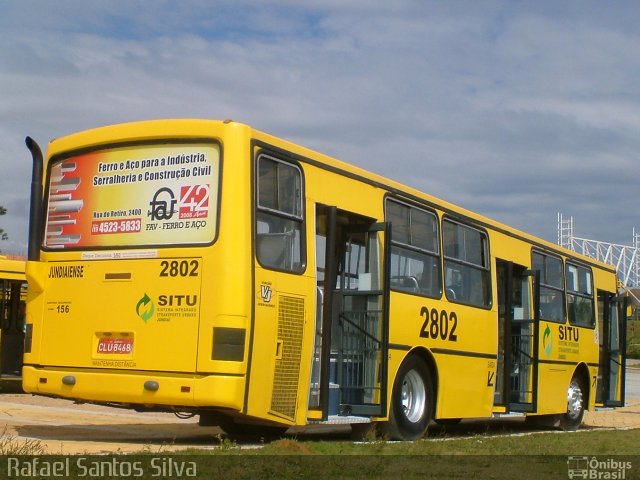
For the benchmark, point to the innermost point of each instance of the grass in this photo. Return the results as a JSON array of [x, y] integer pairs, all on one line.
[[11, 445], [525, 456], [507, 450], [582, 442]]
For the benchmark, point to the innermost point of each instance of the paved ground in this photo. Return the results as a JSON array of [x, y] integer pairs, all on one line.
[[61, 427], [627, 417]]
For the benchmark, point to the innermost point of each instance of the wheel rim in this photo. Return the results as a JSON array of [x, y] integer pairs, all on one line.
[[574, 400], [413, 396]]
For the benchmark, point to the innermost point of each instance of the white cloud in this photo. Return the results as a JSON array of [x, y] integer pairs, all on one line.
[[514, 110]]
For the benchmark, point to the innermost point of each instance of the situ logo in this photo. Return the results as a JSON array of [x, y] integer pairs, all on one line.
[[177, 300], [547, 341], [145, 308], [595, 468]]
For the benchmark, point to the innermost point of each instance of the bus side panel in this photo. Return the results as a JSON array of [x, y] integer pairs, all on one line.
[[463, 342], [553, 381], [280, 354], [35, 305], [225, 313], [465, 387], [561, 348], [467, 373]]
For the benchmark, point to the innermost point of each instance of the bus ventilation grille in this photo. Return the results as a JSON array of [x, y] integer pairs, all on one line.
[[285, 383]]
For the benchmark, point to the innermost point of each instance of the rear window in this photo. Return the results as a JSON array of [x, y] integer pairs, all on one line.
[[134, 195]]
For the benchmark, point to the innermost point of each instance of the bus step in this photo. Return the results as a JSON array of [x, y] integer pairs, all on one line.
[[343, 420], [508, 415]]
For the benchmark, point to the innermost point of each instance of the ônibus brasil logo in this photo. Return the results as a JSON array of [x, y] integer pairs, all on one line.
[[145, 308]]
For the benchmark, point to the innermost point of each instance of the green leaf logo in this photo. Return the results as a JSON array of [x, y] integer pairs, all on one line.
[[145, 308], [547, 342]]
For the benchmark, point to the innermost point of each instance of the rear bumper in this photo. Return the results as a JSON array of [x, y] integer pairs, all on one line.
[[128, 387]]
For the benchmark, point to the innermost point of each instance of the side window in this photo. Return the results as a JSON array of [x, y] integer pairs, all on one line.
[[415, 259], [551, 286], [580, 303], [279, 217], [467, 278]]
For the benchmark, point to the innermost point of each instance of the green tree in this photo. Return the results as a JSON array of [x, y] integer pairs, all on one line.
[[3, 234]]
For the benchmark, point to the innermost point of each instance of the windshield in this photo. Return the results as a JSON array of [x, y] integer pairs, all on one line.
[[134, 195]]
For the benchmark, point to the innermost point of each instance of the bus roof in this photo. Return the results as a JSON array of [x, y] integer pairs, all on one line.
[[416, 195], [190, 128]]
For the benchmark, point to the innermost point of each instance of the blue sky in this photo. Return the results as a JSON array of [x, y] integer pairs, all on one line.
[[513, 109]]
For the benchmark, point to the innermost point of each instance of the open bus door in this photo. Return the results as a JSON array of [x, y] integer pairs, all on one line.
[[349, 378], [517, 368], [12, 309], [612, 332]]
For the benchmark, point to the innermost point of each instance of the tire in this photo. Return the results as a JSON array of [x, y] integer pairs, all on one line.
[[411, 401], [572, 419]]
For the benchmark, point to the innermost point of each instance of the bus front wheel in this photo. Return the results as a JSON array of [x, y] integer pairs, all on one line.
[[411, 401], [572, 419]]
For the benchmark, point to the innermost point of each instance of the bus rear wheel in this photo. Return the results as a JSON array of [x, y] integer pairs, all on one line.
[[411, 401], [572, 419]]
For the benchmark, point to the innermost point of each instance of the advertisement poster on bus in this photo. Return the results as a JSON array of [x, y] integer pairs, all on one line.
[[134, 196]]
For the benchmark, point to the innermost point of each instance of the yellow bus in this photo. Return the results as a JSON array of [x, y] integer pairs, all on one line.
[[204, 266], [13, 291]]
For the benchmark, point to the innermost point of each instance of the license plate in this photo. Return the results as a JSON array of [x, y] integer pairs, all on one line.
[[110, 345]]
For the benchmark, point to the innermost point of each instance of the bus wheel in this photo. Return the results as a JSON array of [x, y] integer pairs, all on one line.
[[411, 401], [572, 419]]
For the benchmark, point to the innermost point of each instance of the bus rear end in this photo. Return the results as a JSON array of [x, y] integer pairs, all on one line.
[[127, 246]]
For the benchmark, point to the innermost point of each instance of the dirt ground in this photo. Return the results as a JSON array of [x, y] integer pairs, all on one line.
[[62, 427]]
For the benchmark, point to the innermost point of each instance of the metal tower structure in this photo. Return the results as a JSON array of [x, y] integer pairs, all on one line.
[[625, 258]]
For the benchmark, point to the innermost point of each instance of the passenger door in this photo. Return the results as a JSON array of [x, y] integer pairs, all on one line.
[[12, 311], [350, 362], [612, 336], [517, 372]]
